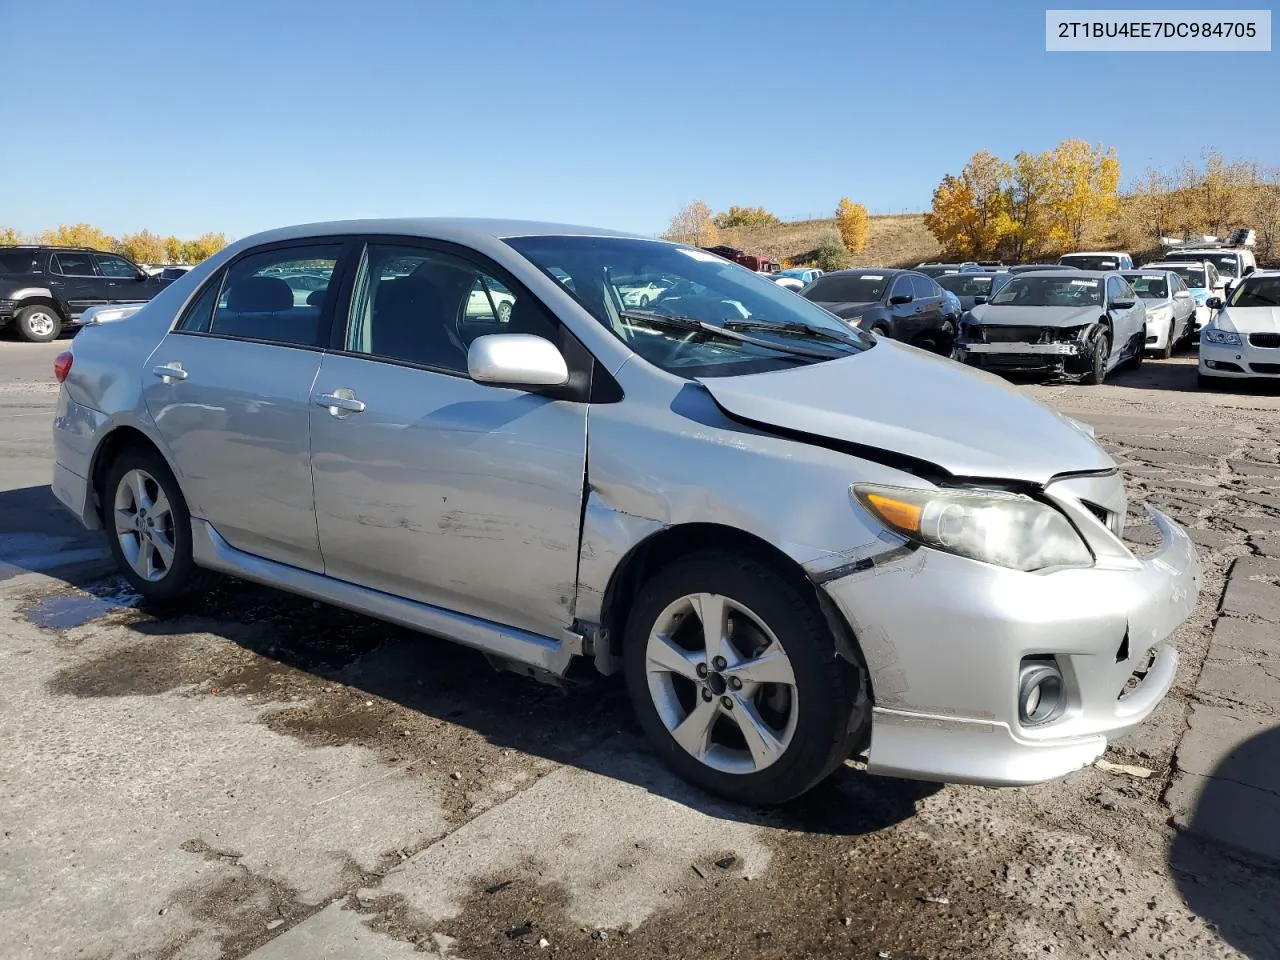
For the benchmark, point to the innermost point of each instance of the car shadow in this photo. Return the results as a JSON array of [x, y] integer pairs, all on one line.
[[585, 723], [1225, 860]]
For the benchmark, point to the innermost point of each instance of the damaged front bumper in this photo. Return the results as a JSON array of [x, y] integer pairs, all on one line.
[[946, 640], [1047, 351]]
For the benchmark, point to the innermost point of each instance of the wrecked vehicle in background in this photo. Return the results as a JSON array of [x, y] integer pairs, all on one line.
[[1069, 324], [790, 549]]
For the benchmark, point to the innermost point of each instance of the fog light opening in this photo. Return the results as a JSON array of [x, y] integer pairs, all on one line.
[[1042, 695]]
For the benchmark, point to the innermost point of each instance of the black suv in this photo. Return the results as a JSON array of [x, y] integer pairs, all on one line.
[[43, 289]]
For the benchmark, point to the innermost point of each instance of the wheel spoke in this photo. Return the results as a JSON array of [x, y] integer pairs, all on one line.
[[146, 558], [710, 610], [694, 731], [772, 666], [163, 548], [159, 509], [664, 654], [126, 521], [138, 484], [761, 741]]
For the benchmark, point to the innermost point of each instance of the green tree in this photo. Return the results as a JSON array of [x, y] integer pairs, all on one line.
[[853, 223], [744, 217], [831, 253]]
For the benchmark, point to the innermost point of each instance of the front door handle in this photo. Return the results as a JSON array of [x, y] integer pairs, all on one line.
[[341, 402], [170, 372]]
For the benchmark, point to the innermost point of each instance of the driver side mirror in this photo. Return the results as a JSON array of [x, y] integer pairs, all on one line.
[[142, 275], [1249, 269], [900, 298], [1122, 304], [516, 360], [979, 300], [1214, 303]]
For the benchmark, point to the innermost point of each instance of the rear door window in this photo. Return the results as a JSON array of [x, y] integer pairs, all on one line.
[[115, 266], [73, 264]]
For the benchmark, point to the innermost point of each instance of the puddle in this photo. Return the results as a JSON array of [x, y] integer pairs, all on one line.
[[67, 610]]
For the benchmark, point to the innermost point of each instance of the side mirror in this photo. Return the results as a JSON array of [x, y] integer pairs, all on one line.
[[1249, 269], [516, 360], [900, 299], [142, 275], [1123, 304], [979, 301], [1214, 303]]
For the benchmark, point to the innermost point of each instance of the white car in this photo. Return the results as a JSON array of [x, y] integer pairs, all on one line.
[[1171, 310], [1232, 263], [1203, 282], [1243, 339], [641, 291], [796, 278], [1098, 260], [490, 300]]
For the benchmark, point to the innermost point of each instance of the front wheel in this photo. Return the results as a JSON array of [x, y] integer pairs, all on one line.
[[38, 324], [150, 528], [1166, 351], [733, 674], [880, 330], [1101, 353]]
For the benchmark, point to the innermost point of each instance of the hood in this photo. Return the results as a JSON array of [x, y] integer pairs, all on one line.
[[845, 308], [1249, 319], [987, 314], [916, 404]]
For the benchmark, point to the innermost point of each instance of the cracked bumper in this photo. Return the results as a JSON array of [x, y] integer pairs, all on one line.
[[1061, 359], [944, 638]]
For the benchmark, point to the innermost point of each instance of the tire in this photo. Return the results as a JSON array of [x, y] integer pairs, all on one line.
[[806, 723], [946, 338], [644, 300], [139, 478], [1139, 352], [38, 323], [1101, 351], [880, 330], [1165, 352], [504, 311]]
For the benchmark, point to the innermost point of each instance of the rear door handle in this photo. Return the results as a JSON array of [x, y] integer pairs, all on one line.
[[170, 372], [341, 402]]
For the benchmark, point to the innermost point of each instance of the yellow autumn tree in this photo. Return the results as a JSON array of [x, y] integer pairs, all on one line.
[[172, 249], [952, 217], [1081, 192], [143, 247], [1022, 223], [9, 236], [203, 247], [692, 224], [77, 235], [986, 177], [853, 223]]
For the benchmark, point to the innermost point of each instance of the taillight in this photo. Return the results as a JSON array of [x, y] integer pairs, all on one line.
[[62, 365]]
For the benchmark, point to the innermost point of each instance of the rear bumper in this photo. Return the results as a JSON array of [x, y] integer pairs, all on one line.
[[944, 638], [75, 431]]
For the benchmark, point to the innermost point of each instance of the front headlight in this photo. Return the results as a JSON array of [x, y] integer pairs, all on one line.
[[1159, 314], [1006, 529], [1222, 337], [854, 321]]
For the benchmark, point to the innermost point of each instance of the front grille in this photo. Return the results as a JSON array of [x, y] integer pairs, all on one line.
[[1015, 361], [1265, 367], [1001, 334], [1264, 340]]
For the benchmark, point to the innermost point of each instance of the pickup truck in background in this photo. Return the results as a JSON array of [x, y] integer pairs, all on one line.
[[45, 289]]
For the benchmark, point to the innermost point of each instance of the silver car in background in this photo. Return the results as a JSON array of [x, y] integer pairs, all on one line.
[[796, 540], [1169, 306]]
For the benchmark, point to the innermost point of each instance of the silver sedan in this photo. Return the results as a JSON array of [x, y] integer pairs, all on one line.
[[796, 540], [1170, 308]]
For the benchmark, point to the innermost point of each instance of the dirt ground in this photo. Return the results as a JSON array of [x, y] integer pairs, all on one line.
[[263, 775]]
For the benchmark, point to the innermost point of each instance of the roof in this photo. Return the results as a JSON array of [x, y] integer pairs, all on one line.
[[1097, 253], [51, 246], [1071, 273], [878, 271], [461, 229]]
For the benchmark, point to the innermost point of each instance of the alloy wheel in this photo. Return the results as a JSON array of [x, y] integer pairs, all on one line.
[[144, 525], [41, 324], [722, 684]]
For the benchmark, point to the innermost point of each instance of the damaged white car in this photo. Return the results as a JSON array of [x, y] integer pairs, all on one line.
[[1068, 324], [798, 541]]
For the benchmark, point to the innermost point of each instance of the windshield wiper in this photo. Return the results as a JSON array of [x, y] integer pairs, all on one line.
[[675, 322], [792, 327]]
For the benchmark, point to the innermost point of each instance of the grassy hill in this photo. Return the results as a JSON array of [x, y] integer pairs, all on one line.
[[900, 240]]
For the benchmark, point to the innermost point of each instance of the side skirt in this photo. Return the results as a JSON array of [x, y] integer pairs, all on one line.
[[552, 656]]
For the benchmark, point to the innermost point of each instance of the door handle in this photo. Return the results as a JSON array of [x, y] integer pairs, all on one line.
[[170, 372], [340, 402]]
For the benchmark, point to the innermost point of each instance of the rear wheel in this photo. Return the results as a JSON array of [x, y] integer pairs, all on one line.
[[734, 677], [150, 528], [38, 323]]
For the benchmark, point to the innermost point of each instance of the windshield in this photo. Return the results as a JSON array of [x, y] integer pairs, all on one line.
[[938, 270], [709, 293], [1228, 265], [1193, 275], [1035, 291], [1090, 261], [1148, 288], [1257, 292], [847, 288], [966, 284], [797, 274]]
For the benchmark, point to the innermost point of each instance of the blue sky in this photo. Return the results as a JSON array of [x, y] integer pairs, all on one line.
[[240, 115]]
